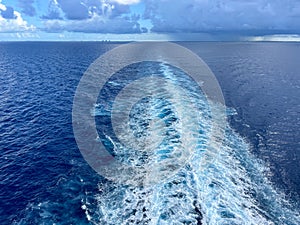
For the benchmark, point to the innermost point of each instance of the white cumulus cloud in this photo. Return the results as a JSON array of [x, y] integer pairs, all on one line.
[[16, 24]]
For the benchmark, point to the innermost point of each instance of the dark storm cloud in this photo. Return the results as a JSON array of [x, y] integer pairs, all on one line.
[[8, 13], [27, 7]]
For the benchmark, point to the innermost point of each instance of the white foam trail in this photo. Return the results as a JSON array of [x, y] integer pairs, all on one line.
[[219, 185]]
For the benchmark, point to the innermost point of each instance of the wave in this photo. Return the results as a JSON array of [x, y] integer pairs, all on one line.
[[220, 181]]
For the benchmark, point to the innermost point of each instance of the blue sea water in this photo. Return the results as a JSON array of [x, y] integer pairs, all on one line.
[[252, 178]]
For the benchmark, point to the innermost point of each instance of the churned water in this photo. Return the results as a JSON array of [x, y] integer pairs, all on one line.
[[248, 176]]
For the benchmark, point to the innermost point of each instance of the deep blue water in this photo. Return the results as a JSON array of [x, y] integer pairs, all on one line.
[[45, 180]]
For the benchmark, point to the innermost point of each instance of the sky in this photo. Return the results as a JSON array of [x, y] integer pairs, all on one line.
[[196, 20]]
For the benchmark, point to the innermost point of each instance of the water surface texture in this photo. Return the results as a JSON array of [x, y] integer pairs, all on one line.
[[252, 176]]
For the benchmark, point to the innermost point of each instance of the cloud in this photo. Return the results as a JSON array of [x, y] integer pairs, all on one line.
[[54, 11], [52, 15], [91, 16], [125, 2], [96, 24], [8, 13], [281, 37], [177, 18], [192, 16], [11, 21], [84, 9], [27, 7], [74, 9]]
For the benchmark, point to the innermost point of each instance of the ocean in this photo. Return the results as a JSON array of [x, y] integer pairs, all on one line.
[[251, 177]]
